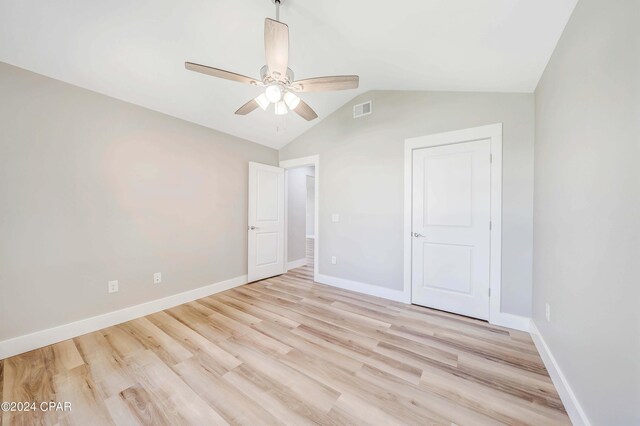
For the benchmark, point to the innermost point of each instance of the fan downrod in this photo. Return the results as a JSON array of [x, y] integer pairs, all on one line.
[[277, 3]]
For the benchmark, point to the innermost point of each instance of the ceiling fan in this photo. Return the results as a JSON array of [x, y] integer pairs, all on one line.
[[277, 78]]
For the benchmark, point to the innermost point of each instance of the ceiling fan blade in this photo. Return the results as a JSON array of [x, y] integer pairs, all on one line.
[[247, 108], [276, 47], [326, 84], [305, 111], [215, 72]]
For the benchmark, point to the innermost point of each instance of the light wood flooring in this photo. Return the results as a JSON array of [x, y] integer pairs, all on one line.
[[288, 351]]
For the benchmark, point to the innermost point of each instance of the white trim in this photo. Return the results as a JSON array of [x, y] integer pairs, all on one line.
[[312, 160], [299, 162], [39, 339], [311, 236], [296, 263], [571, 404], [516, 322], [493, 132], [370, 289]]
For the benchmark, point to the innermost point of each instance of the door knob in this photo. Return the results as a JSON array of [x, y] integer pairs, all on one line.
[[415, 234], [253, 227]]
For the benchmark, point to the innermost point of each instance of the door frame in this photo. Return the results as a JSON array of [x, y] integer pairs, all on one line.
[[312, 160], [494, 133]]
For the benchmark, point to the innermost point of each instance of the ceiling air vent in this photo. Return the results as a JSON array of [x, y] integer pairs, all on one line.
[[362, 109]]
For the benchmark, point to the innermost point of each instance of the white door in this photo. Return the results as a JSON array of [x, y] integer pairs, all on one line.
[[266, 221], [451, 228]]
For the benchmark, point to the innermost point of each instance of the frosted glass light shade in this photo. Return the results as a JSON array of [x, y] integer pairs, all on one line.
[[263, 101], [281, 108], [291, 100], [273, 93]]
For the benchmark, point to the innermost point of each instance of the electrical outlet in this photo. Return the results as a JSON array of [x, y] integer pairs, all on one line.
[[335, 217], [113, 286], [157, 278], [547, 312], [334, 260]]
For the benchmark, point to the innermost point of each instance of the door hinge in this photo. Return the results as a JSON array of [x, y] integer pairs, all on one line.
[[490, 225], [489, 292], [491, 158]]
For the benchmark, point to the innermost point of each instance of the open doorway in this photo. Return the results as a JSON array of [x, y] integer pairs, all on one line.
[[300, 217], [301, 211]]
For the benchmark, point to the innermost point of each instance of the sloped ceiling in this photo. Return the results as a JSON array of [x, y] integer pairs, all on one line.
[[135, 50]]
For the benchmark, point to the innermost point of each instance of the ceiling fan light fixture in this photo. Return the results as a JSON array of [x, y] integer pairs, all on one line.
[[263, 102], [281, 108], [277, 78], [291, 100], [273, 93]]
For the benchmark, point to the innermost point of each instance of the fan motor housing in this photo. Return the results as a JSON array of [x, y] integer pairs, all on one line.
[[265, 77]]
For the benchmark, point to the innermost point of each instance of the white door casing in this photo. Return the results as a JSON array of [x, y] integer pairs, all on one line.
[[451, 241], [266, 221]]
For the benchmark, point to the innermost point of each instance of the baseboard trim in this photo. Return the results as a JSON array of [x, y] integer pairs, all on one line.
[[296, 263], [503, 319], [39, 339], [515, 322], [571, 404], [370, 289]]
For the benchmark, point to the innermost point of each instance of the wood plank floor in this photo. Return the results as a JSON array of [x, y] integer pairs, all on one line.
[[288, 351]]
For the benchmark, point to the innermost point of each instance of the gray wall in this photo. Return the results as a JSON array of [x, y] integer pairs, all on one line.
[[94, 189], [311, 205], [297, 212], [587, 208], [362, 180]]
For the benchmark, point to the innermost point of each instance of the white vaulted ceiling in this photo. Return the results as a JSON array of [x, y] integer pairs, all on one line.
[[135, 50]]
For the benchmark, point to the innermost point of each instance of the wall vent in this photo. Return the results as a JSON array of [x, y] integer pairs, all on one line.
[[362, 109]]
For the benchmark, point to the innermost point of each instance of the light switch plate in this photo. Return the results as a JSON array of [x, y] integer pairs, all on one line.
[[547, 312], [335, 217]]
